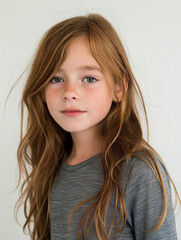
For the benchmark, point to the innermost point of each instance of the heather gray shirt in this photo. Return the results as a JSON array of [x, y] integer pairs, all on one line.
[[142, 193]]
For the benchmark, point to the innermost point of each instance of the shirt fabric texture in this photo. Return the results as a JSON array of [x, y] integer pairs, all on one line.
[[142, 193]]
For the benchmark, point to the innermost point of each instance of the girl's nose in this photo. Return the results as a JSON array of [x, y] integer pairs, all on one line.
[[70, 92]]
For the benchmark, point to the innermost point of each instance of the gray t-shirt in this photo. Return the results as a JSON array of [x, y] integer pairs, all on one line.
[[142, 194]]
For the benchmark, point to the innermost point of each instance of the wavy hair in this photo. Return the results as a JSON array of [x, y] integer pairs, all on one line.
[[43, 142]]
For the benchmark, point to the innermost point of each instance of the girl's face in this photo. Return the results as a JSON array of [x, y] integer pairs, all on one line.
[[79, 96]]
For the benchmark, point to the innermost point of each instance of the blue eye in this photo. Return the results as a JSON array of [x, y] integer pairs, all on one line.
[[90, 79], [56, 80]]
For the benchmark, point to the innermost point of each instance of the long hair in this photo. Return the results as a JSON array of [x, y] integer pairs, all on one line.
[[43, 142]]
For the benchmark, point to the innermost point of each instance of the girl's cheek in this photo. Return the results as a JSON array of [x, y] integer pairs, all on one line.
[[51, 92]]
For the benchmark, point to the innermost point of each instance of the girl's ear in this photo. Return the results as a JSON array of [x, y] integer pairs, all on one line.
[[119, 91], [118, 94]]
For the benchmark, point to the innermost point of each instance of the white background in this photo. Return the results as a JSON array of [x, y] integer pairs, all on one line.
[[151, 33]]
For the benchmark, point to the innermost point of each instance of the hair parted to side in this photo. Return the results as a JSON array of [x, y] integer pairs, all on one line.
[[44, 143]]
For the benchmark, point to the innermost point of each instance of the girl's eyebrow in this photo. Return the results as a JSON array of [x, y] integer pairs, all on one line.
[[86, 67]]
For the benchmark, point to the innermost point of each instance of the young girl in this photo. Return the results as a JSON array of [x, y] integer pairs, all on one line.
[[89, 172]]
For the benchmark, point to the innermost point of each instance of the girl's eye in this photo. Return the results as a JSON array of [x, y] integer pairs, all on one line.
[[56, 80], [90, 79]]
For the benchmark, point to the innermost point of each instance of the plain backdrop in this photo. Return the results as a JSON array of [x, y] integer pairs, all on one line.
[[151, 34]]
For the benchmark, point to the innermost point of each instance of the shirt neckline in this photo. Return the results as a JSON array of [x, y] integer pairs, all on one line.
[[67, 167]]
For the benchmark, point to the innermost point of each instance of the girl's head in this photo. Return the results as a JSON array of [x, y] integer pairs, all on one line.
[[80, 83], [105, 51]]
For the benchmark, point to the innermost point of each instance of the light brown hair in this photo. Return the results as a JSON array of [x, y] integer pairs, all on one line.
[[44, 142]]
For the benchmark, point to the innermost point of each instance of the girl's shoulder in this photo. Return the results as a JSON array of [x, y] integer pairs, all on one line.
[[142, 170], [144, 184]]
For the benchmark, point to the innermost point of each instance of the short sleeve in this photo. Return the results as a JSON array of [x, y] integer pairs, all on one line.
[[145, 203]]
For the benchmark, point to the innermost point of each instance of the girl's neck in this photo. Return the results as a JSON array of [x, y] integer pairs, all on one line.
[[85, 145]]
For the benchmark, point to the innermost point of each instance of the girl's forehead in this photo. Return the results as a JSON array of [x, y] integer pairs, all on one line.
[[84, 68], [79, 55]]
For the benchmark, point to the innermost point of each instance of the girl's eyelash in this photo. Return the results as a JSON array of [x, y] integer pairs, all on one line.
[[58, 79]]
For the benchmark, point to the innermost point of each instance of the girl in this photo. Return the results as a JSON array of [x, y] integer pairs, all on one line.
[[89, 172]]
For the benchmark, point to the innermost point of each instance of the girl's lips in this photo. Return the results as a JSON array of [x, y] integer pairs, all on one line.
[[72, 113], [72, 110]]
